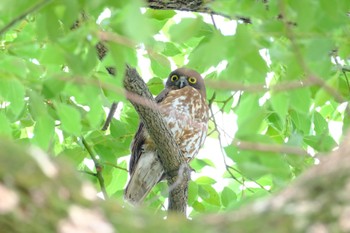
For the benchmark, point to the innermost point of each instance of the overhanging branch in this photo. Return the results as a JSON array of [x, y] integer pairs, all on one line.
[[168, 151]]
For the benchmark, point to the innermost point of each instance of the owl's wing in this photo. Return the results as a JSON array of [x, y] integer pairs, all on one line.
[[139, 138], [145, 168]]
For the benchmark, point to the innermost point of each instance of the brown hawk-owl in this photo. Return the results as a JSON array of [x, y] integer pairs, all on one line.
[[183, 106]]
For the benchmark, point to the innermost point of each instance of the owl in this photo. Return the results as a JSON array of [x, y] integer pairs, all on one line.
[[183, 106]]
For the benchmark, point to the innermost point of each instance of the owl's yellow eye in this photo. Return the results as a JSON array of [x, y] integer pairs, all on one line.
[[192, 80], [174, 78]]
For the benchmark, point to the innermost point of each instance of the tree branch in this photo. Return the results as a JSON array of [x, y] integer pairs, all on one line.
[[98, 168], [34, 8], [168, 151]]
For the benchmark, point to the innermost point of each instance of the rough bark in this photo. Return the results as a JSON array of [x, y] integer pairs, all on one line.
[[39, 195], [168, 151], [200, 6], [183, 5]]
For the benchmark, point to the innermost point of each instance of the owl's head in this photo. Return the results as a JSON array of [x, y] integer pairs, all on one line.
[[183, 77]]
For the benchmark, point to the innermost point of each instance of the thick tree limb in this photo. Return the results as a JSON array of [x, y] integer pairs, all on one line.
[[168, 151], [200, 6], [318, 201], [184, 5]]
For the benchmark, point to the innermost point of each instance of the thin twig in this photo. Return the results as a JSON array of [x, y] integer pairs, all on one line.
[[213, 21], [261, 186], [347, 80], [97, 166], [300, 58], [110, 116], [219, 139], [88, 172], [115, 166], [23, 15], [244, 145]]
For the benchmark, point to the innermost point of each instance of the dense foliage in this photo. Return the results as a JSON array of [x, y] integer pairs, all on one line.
[[282, 80]]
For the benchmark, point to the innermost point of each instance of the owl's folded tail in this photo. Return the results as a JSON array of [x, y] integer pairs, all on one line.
[[146, 175]]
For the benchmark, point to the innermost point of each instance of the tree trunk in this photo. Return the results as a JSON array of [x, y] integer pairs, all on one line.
[[168, 151]]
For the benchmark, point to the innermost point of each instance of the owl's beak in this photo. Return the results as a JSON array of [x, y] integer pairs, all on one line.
[[182, 82]]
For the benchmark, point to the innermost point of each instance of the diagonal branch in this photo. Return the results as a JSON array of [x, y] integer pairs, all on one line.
[[98, 167], [31, 10], [168, 151]]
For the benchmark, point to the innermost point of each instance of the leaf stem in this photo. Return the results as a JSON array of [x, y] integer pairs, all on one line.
[[97, 166]]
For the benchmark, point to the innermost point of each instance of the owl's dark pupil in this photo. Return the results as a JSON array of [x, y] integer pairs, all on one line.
[[192, 80], [174, 78]]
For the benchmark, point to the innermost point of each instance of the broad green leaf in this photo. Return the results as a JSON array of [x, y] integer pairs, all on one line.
[[198, 206], [12, 91], [321, 125], [95, 115], [250, 116], [203, 180], [5, 127], [160, 65], [227, 196], [186, 29], [75, 154], [321, 143], [160, 15], [280, 103], [209, 194], [119, 178], [44, 130], [199, 164], [170, 49], [300, 100], [211, 46], [155, 85], [37, 106], [12, 66], [301, 121], [70, 118], [322, 96], [52, 87], [192, 192]]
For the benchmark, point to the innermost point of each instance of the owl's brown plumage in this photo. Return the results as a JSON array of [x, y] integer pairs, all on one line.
[[184, 108]]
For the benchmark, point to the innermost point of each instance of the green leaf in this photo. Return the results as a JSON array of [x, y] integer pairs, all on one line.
[[192, 192], [159, 15], [301, 121], [5, 127], [227, 196], [76, 154], [300, 100], [321, 125], [322, 96], [203, 180], [13, 65], [199, 164], [95, 115], [186, 29], [250, 116], [198, 206], [119, 178], [37, 107], [211, 46], [70, 118], [171, 49], [321, 143], [12, 91], [44, 130], [52, 87], [155, 85], [209, 195], [280, 103]]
